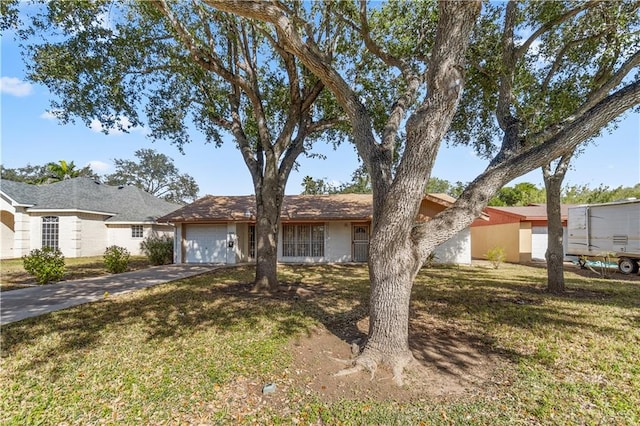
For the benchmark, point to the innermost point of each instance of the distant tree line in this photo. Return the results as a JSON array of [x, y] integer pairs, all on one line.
[[520, 194], [47, 173], [153, 172]]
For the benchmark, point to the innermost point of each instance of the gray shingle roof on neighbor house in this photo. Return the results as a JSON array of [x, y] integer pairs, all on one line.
[[122, 203], [21, 193]]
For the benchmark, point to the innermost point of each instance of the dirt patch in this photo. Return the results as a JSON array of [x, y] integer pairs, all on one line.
[[449, 365]]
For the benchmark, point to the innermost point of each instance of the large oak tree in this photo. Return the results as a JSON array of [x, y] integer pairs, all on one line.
[[420, 55], [540, 67], [181, 68]]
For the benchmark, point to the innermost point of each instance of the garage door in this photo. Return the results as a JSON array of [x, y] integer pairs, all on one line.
[[206, 244], [539, 242]]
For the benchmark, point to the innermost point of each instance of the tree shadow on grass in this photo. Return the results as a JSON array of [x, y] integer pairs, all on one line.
[[336, 296], [522, 301], [214, 301]]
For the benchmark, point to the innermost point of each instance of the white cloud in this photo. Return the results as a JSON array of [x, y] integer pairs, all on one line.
[[99, 166], [123, 122], [14, 86], [96, 126], [50, 115]]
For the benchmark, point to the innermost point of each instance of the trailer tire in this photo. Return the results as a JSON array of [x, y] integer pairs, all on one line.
[[628, 266]]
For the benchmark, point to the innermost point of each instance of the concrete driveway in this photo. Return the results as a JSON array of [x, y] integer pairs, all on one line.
[[16, 305]]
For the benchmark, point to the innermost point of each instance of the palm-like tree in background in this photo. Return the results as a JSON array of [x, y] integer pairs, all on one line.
[[63, 170]]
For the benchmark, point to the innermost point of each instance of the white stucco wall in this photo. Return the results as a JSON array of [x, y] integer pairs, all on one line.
[[178, 254], [92, 235], [22, 239], [7, 229], [120, 235], [456, 250], [79, 235], [337, 241]]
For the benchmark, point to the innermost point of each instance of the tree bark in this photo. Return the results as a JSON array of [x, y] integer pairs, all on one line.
[[392, 272], [269, 197], [266, 254], [555, 250]]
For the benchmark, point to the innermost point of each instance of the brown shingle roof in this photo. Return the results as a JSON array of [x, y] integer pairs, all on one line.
[[530, 212], [295, 207]]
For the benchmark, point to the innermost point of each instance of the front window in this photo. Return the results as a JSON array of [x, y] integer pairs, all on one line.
[[50, 231], [137, 231], [302, 240]]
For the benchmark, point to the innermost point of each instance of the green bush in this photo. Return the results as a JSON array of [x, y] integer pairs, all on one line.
[[47, 265], [116, 259], [496, 256], [159, 250]]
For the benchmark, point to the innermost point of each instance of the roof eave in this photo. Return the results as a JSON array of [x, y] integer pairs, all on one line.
[[51, 210]]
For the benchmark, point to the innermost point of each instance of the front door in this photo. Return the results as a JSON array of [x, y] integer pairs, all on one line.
[[360, 243]]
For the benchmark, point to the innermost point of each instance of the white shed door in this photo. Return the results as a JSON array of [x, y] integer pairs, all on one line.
[[206, 244], [539, 242]]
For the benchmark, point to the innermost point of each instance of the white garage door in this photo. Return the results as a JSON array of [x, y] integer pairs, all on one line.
[[206, 244], [539, 242]]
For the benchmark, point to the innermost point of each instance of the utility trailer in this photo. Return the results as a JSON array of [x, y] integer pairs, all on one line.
[[610, 229]]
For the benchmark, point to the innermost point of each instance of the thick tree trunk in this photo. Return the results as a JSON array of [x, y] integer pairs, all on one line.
[[392, 269], [392, 273], [268, 205], [555, 250]]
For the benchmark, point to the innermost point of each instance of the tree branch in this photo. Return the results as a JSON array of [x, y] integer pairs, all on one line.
[[207, 60], [612, 82], [374, 48], [253, 88], [549, 25], [505, 119], [560, 56], [325, 124], [309, 54], [500, 171]]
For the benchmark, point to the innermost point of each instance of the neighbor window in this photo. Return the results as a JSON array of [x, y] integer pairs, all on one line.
[[303, 240], [137, 231], [50, 231]]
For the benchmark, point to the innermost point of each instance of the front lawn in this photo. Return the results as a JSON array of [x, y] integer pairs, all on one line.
[[493, 348], [13, 276]]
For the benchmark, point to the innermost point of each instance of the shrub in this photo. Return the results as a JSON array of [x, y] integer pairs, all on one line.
[[116, 259], [159, 250], [47, 265], [496, 256]]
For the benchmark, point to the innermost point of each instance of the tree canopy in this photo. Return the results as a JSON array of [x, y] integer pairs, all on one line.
[[182, 69], [156, 174]]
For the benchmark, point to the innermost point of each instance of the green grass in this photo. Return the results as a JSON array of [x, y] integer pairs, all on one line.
[[191, 351], [13, 276]]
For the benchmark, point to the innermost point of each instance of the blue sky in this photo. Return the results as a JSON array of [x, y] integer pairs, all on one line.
[[31, 136]]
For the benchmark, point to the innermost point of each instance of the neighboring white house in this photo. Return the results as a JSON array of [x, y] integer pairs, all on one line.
[[314, 229], [80, 216]]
